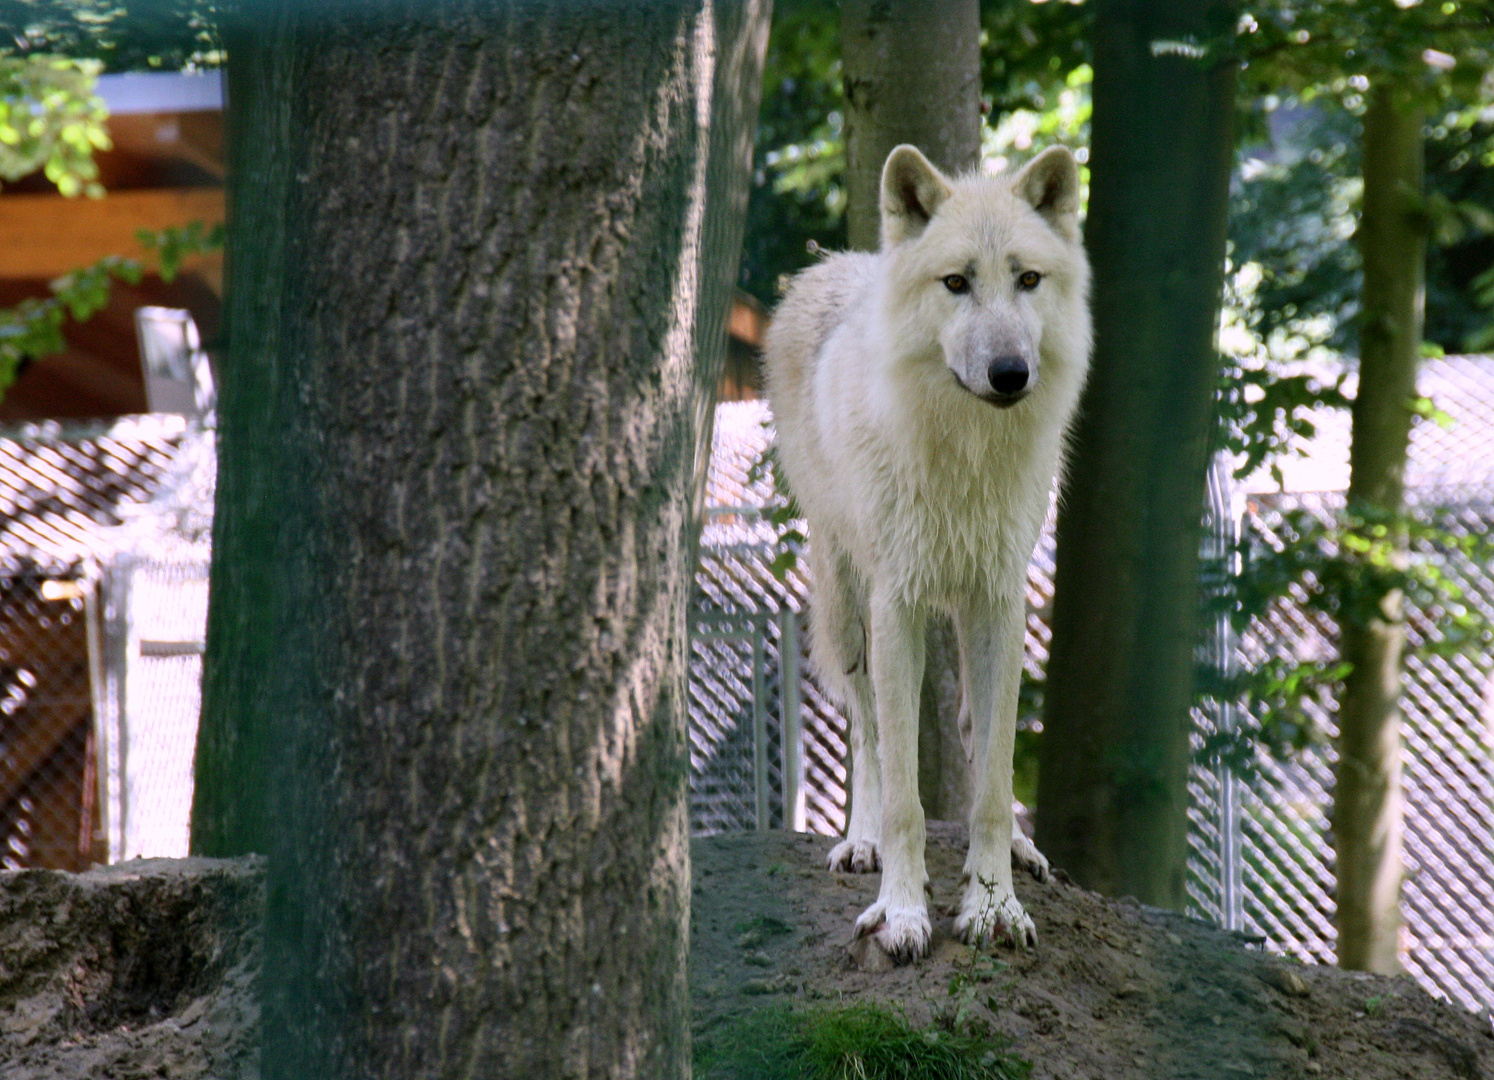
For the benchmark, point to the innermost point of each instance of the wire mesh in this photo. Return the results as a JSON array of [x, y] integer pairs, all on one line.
[[48, 790], [740, 713], [168, 615]]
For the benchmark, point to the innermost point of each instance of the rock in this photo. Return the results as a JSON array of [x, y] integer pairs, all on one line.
[[867, 954], [1285, 980], [776, 985], [1295, 1031]]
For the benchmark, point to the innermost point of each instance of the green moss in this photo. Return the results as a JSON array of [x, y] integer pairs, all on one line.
[[857, 1042]]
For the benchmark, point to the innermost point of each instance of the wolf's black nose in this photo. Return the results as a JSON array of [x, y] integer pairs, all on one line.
[[1008, 375]]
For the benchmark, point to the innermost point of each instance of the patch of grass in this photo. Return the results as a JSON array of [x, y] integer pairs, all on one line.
[[760, 1045], [863, 1041], [765, 925], [759, 929], [968, 989]]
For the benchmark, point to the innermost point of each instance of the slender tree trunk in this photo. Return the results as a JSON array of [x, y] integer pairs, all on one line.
[[1112, 795], [1367, 821], [912, 75], [481, 259], [256, 401]]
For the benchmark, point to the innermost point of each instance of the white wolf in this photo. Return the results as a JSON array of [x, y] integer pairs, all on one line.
[[922, 397]]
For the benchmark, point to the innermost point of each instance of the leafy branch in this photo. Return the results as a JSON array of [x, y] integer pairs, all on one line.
[[783, 513], [34, 328], [1360, 566], [51, 119]]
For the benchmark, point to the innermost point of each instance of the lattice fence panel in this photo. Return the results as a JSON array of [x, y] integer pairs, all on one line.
[[825, 779], [1282, 815], [722, 774]]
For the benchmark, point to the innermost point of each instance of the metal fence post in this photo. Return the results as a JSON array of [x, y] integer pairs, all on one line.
[[1224, 540], [791, 702], [760, 721]]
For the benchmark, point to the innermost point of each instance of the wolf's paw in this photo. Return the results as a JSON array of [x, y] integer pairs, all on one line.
[[988, 915], [902, 932], [855, 856], [1026, 856]]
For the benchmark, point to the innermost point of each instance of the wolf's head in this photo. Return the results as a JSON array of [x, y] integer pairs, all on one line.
[[988, 267]]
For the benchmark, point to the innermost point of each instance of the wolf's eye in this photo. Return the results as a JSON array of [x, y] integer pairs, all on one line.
[[957, 284], [1028, 280]]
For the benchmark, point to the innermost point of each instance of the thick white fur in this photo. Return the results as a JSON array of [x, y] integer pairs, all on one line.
[[921, 496]]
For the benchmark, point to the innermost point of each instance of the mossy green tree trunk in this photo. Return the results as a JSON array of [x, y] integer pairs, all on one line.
[[912, 75], [480, 260], [1367, 811], [1112, 792]]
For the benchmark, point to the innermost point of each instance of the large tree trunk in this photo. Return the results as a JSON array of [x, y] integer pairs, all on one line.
[[481, 256], [912, 75], [1367, 793], [1112, 793]]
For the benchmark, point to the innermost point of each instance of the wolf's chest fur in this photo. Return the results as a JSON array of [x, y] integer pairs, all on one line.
[[960, 517]]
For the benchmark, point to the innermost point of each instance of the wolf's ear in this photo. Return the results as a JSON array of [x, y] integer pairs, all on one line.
[[1050, 182], [912, 190]]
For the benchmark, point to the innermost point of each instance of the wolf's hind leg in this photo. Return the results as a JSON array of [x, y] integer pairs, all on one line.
[[838, 644], [859, 851], [1026, 856]]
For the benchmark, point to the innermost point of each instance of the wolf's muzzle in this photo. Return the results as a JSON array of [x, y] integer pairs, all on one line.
[[1010, 380]]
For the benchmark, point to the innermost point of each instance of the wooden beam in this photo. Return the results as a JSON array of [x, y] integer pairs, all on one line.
[[748, 320], [44, 236]]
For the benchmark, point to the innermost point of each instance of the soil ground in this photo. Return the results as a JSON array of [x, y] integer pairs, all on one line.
[[144, 969], [1113, 991], [150, 970]]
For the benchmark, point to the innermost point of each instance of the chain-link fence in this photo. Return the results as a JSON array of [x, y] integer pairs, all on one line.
[[103, 600], [748, 769], [49, 812]]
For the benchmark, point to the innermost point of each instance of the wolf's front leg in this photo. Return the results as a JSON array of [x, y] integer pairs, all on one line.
[[900, 917], [991, 646]]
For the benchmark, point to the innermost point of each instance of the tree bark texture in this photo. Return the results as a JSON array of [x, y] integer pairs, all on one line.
[[1367, 811], [481, 255], [1112, 803], [912, 75]]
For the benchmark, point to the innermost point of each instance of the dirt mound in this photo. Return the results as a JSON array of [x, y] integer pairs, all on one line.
[[1113, 991], [144, 969]]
